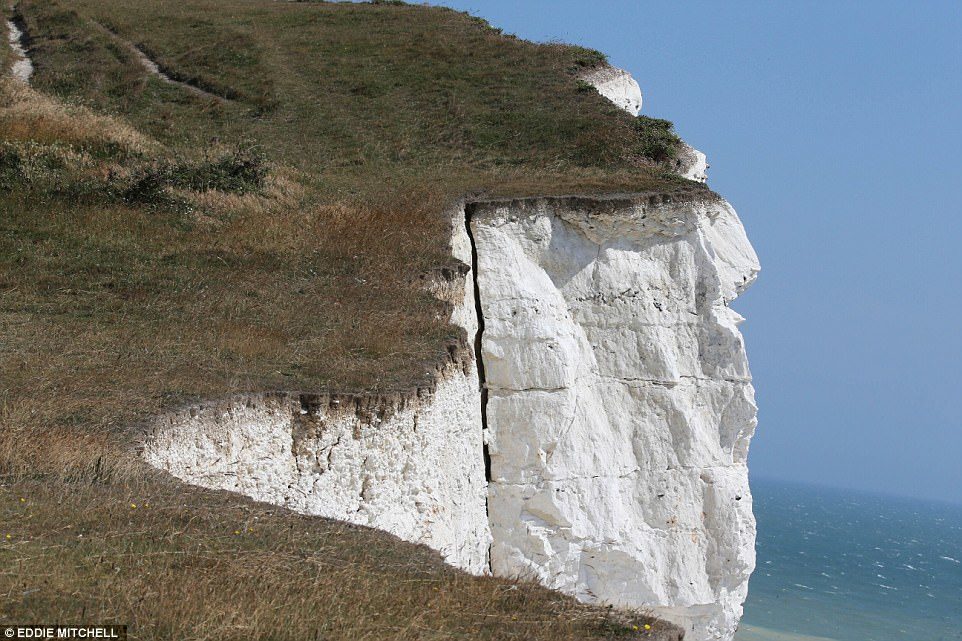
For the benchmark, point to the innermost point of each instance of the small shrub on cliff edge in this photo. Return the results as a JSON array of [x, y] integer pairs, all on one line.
[[657, 138]]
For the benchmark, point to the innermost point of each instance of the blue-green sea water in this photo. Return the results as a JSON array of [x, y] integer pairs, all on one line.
[[849, 566]]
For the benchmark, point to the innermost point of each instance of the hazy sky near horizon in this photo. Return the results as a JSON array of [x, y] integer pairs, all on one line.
[[835, 129]]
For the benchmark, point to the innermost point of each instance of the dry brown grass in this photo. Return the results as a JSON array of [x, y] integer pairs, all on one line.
[[178, 564], [30, 116]]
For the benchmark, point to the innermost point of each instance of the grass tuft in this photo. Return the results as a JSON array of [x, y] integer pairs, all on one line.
[[241, 170], [587, 57]]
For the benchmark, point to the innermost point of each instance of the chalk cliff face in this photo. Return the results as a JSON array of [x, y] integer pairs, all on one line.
[[411, 467], [620, 405], [691, 163]]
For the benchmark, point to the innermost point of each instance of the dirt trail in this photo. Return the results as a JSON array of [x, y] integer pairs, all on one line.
[[153, 68], [22, 68]]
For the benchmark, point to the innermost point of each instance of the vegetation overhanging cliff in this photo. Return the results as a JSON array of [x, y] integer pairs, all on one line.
[[274, 231]]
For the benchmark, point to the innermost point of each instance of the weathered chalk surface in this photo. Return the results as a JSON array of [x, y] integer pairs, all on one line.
[[620, 403], [616, 85]]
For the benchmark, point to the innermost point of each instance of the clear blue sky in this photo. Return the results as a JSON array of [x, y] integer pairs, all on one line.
[[834, 129]]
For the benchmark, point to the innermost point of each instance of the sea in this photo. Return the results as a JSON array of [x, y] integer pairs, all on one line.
[[850, 566]]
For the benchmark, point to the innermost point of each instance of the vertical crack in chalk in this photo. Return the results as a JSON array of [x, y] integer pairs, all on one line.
[[468, 210]]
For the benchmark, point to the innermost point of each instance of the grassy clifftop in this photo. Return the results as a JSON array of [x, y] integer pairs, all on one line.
[[370, 118], [271, 231], [344, 89]]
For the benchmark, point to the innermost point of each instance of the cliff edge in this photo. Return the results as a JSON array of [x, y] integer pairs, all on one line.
[[360, 292]]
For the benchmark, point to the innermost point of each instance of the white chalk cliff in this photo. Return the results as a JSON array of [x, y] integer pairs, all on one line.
[[691, 163], [619, 402], [608, 390], [616, 85]]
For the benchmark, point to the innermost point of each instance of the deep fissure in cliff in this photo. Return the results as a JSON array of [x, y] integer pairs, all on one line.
[[483, 388]]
